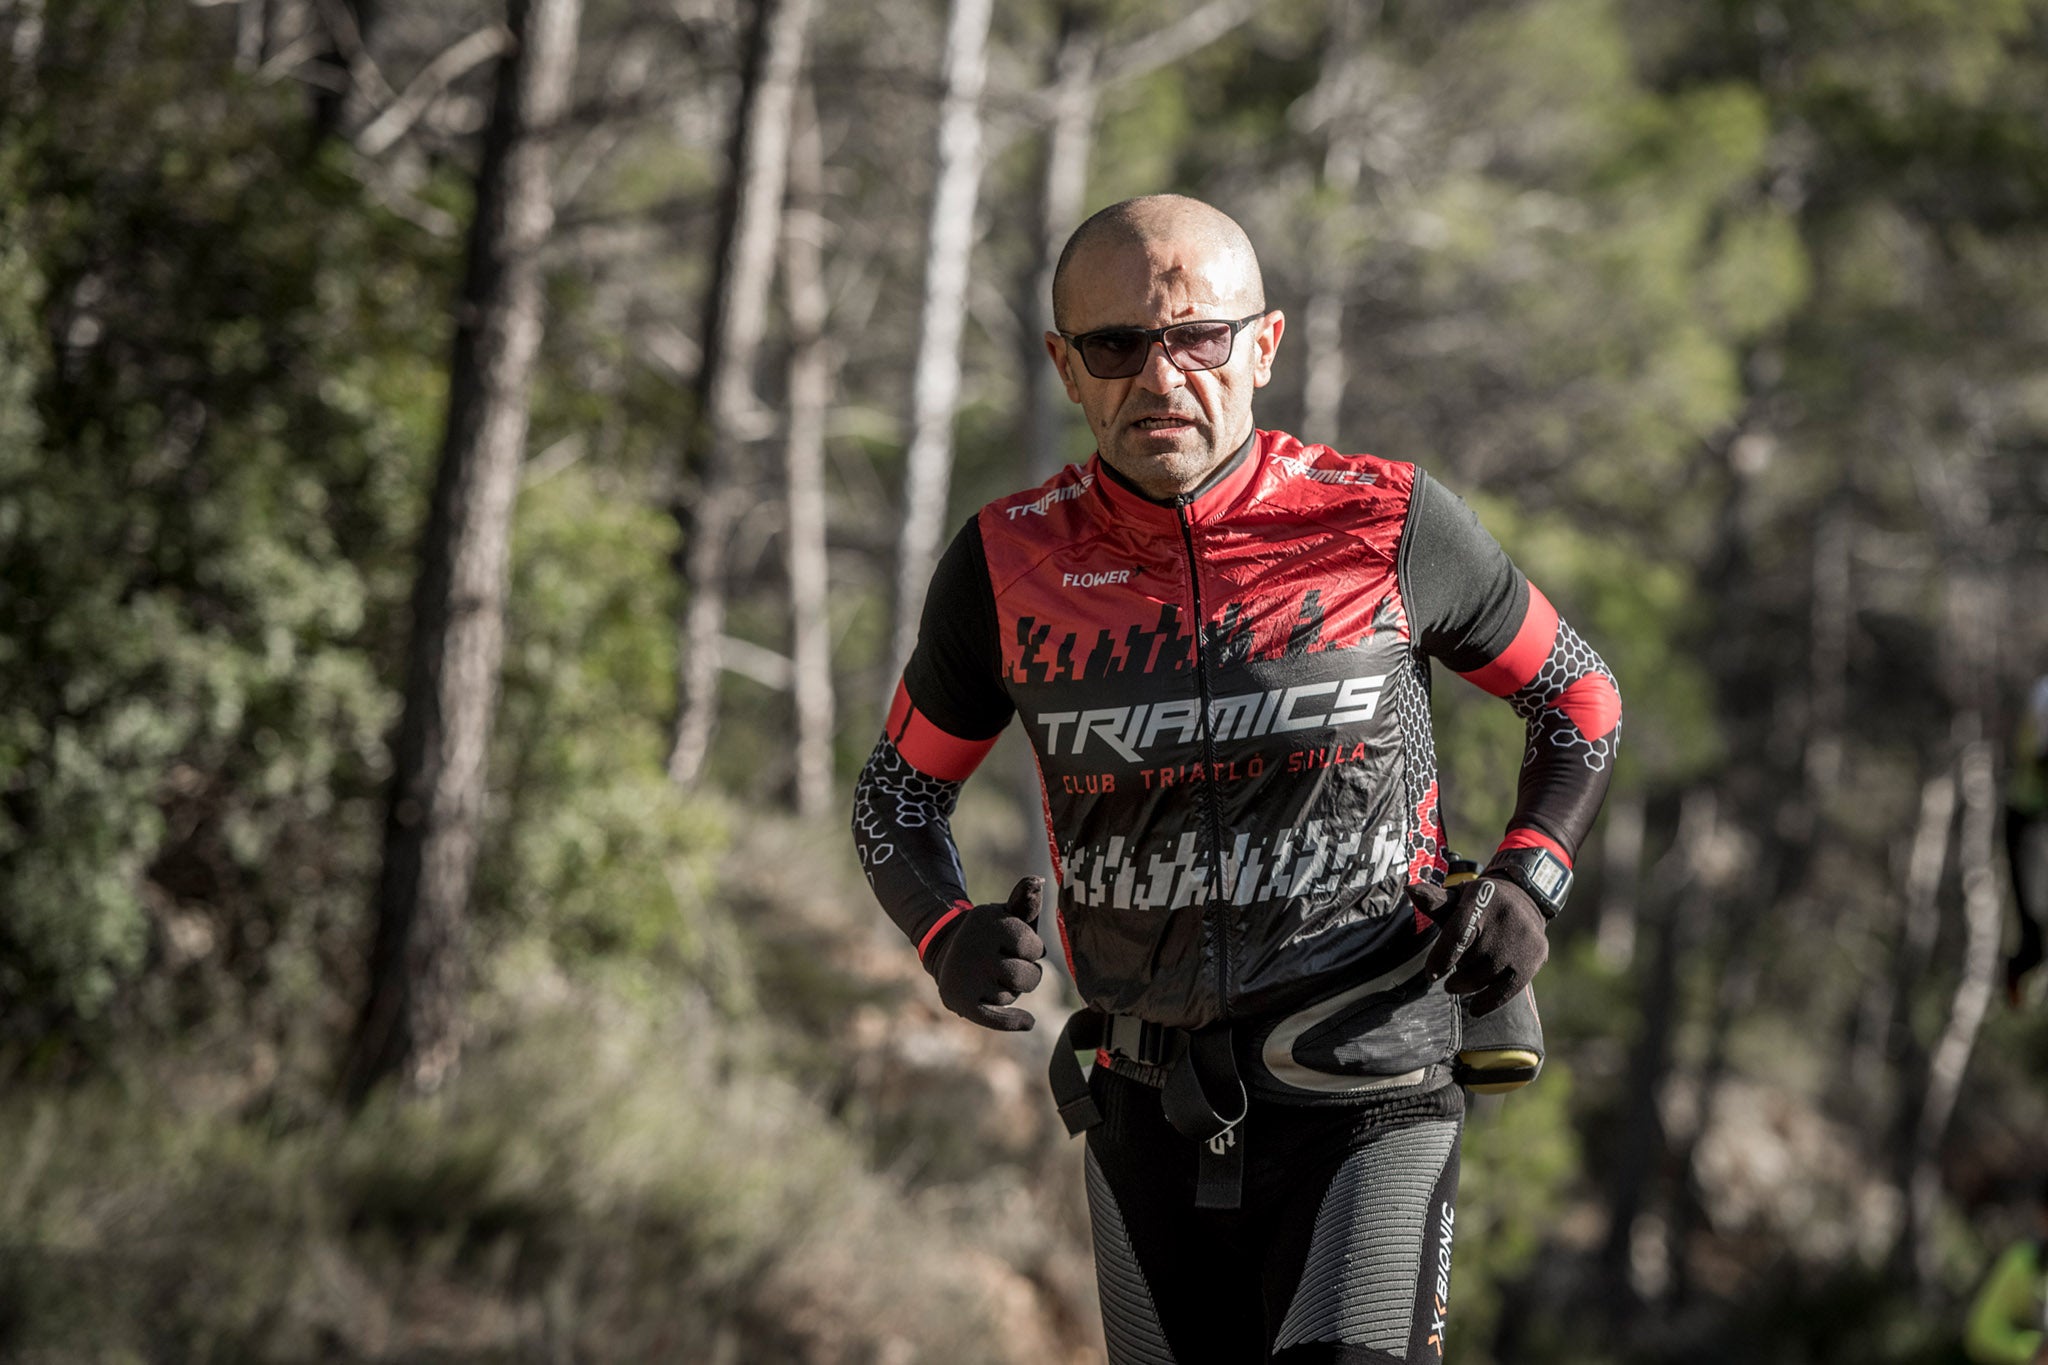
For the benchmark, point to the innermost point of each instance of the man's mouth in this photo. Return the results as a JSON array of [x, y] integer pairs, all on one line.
[[1162, 422]]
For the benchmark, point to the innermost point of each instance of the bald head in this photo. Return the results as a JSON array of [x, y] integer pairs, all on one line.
[[1146, 266], [1142, 225]]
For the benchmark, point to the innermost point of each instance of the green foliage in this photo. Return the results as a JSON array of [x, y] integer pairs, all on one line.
[[596, 851], [1516, 1166], [1642, 615], [1642, 611], [23, 353], [200, 552]]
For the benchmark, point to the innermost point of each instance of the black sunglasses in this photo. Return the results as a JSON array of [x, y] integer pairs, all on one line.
[[1120, 352]]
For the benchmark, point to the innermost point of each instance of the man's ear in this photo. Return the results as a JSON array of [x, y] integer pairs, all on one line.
[[1062, 360], [1265, 345]]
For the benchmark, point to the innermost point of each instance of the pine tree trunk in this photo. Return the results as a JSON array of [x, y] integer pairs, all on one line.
[[1833, 620], [252, 33], [342, 104], [1884, 1043], [1681, 902], [1322, 394], [1062, 190], [1621, 878], [811, 365], [935, 381], [411, 1024], [750, 224], [1950, 1060], [1974, 618]]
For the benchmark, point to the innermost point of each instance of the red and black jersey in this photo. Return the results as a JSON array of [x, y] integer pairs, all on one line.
[[1228, 698]]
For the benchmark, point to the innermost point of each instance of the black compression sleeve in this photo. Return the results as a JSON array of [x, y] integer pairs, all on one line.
[[902, 811], [955, 673], [902, 831], [1470, 607], [1465, 597], [1565, 770]]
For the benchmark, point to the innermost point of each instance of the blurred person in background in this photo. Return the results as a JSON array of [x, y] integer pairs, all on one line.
[[2026, 837], [2009, 1320], [1219, 642]]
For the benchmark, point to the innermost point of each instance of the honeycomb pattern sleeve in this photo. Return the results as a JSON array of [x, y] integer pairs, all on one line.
[[1474, 610], [947, 712], [903, 833]]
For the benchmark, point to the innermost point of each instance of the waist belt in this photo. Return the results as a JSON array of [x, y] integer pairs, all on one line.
[[1201, 1074]]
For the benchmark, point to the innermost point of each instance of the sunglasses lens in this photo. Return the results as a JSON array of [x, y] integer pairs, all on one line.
[[1200, 345], [1114, 355], [1121, 352]]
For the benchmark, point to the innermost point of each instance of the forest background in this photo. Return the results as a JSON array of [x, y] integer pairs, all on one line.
[[355, 354]]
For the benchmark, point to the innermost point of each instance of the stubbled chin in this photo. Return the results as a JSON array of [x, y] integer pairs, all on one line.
[[1164, 468]]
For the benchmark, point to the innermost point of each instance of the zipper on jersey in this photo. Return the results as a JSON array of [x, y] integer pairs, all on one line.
[[1217, 912]]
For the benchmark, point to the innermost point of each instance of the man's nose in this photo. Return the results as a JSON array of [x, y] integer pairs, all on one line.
[[1160, 374]]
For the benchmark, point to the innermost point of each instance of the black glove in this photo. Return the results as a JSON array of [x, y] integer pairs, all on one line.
[[1491, 940], [988, 957]]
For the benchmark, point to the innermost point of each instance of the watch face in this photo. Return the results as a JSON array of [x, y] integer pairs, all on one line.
[[1540, 872], [1548, 877]]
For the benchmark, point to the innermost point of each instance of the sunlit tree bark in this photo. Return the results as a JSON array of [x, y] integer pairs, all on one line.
[[410, 1027], [1062, 188], [935, 373], [1972, 1000], [1884, 1044], [343, 66], [1322, 400], [728, 414], [811, 365]]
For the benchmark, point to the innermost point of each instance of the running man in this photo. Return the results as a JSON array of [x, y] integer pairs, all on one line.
[[1219, 642]]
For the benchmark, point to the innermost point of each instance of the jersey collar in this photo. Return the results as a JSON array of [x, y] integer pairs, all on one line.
[[1224, 487]]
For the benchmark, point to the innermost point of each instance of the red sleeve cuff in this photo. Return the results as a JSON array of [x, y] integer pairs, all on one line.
[[959, 908], [1529, 838]]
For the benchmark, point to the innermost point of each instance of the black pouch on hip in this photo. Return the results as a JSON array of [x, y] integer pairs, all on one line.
[[1501, 1051]]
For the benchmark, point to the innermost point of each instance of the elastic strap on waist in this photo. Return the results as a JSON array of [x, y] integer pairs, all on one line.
[[1206, 1070], [1084, 1032]]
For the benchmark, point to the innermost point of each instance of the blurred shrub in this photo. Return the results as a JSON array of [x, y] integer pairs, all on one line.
[[591, 847], [608, 1180], [1516, 1168]]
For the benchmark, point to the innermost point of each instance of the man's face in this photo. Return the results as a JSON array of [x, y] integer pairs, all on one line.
[[1164, 429]]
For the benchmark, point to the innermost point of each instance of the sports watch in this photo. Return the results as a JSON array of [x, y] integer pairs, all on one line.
[[1537, 871]]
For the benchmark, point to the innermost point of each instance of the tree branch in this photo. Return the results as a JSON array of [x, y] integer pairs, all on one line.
[[1190, 34], [461, 57]]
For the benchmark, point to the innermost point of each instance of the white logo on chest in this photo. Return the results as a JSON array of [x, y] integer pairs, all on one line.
[[1128, 730], [1095, 580]]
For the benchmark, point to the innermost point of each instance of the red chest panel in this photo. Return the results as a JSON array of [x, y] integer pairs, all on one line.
[[1293, 553]]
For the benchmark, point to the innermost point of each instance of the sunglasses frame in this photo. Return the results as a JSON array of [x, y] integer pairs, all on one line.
[[1157, 336]]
